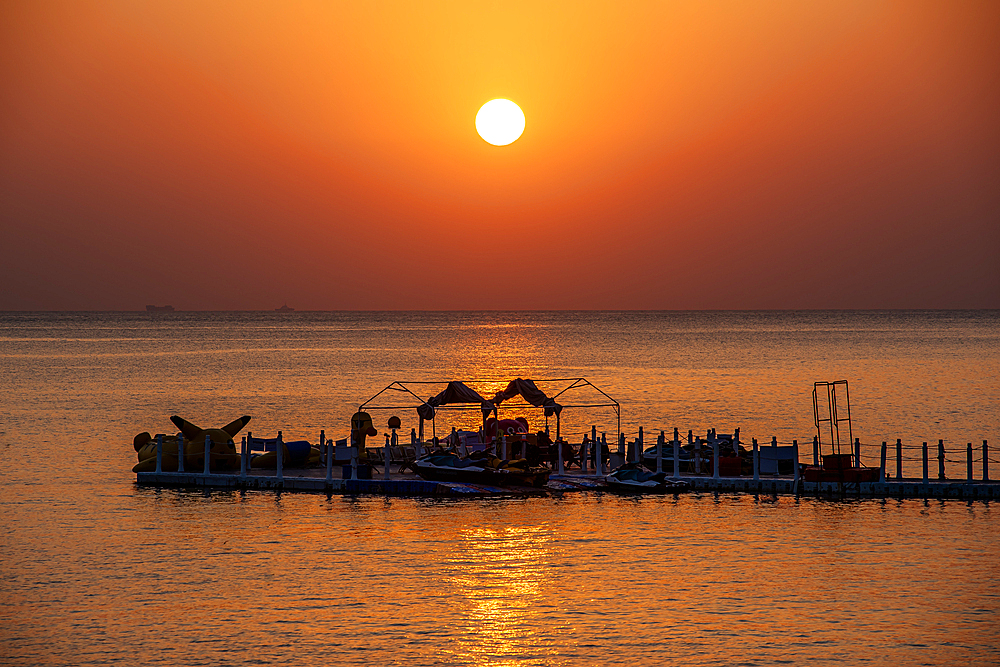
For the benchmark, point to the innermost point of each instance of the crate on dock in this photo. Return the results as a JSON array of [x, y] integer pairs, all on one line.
[[730, 466], [836, 461]]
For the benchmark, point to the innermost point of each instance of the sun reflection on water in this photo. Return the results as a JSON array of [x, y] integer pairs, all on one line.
[[499, 577]]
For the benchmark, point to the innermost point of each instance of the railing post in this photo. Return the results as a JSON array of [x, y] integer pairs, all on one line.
[[599, 455], [968, 463], [595, 446], [208, 454], [180, 452], [715, 457], [559, 453], [881, 467], [795, 466], [159, 453], [986, 462], [925, 464], [243, 460], [329, 461], [388, 457], [279, 448], [756, 461], [899, 459], [659, 451], [941, 459], [816, 450], [677, 455]]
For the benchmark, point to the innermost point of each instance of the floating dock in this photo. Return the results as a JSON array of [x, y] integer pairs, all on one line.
[[314, 480]]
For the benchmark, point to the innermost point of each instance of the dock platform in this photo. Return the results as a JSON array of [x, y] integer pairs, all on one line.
[[314, 480]]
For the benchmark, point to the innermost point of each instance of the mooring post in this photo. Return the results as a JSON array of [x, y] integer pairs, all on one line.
[[677, 455], [925, 464], [243, 460], [941, 459], [621, 445], [968, 463], [899, 459], [329, 462], [659, 451], [322, 446], [600, 453], [387, 453], [249, 446], [857, 452], [986, 462], [180, 452], [795, 467], [881, 467], [559, 453], [595, 446], [715, 457], [774, 445], [279, 448], [756, 461], [354, 460], [584, 453], [697, 455], [159, 453], [640, 446], [816, 450], [208, 452]]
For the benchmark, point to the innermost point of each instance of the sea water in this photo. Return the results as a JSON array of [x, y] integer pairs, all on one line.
[[96, 570]]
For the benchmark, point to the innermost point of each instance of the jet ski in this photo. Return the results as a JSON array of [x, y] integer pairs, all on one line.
[[633, 477]]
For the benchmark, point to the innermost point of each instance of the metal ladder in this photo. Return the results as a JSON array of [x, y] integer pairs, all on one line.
[[832, 414]]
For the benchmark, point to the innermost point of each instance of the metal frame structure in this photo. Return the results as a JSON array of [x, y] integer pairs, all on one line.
[[574, 384], [833, 417]]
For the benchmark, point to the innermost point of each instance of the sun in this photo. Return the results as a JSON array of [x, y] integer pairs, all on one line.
[[500, 122]]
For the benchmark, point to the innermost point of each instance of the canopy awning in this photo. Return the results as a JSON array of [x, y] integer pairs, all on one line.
[[455, 392]]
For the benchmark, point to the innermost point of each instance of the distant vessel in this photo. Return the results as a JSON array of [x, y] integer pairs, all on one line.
[[159, 309], [284, 309]]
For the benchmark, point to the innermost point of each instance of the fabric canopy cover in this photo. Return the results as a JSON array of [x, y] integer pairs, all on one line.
[[455, 392], [530, 393]]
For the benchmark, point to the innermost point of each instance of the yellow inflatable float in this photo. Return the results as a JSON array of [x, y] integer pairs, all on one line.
[[223, 454]]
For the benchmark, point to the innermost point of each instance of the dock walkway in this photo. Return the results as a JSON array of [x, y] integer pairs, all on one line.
[[314, 480]]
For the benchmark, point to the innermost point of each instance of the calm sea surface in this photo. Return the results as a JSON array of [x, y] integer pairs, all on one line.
[[94, 570]]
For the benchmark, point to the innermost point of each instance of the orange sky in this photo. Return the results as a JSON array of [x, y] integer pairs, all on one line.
[[676, 155]]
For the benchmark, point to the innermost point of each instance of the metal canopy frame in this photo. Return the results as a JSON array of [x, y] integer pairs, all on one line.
[[403, 387]]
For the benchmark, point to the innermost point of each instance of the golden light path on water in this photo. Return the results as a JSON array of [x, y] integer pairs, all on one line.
[[502, 573]]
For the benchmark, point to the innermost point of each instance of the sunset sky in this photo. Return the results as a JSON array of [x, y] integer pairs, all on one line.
[[676, 155]]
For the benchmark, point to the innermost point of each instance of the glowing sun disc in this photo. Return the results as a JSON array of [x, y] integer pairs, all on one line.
[[500, 122]]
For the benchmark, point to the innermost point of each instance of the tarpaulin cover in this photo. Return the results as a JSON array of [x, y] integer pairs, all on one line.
[[531, 393], [455, 392]]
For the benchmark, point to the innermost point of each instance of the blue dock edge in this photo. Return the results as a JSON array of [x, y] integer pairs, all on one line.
[[415, 487]]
